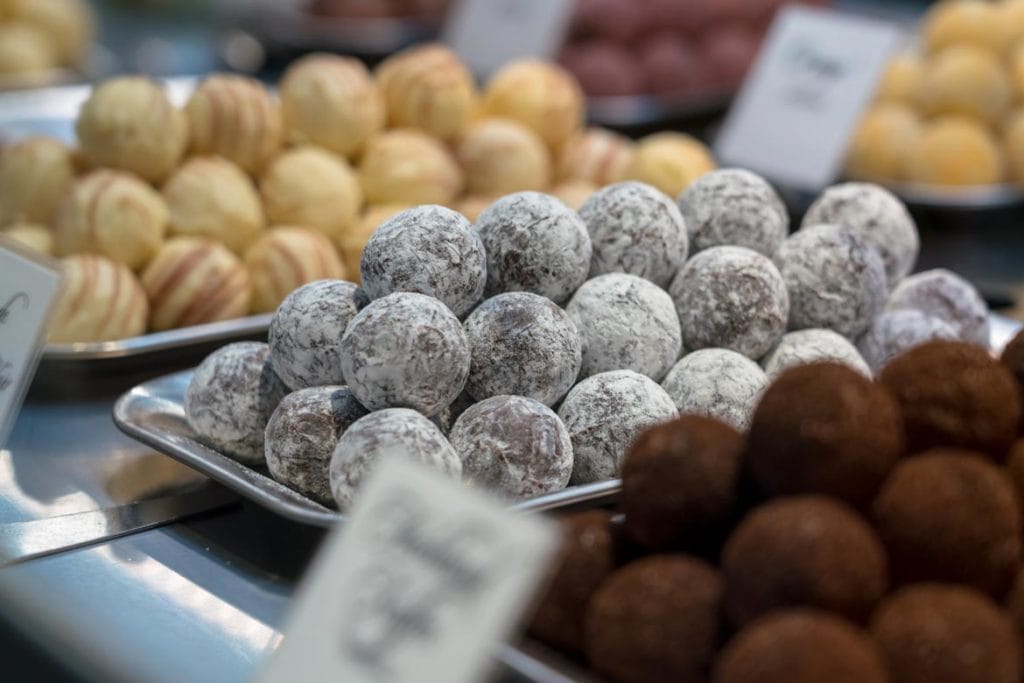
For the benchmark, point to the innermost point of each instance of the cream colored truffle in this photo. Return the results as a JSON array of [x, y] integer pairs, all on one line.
[[978, 23], [596, 155], [236, 118], [967, 81], [128, 123], [34, 175], [36, 237], [352, 242], [901, 80], [113, 214], [955, 151], [472, 205], [101, 301], [501, 156], [331, 101], [669, 161], [408, 167], [1016, 69], [193, 281], [25, 50], [212, 197], [1014, 145], [541, 95], [881, 145], [312, 187], [1012, 17], [286, 258], [71, 25], [574, 192]]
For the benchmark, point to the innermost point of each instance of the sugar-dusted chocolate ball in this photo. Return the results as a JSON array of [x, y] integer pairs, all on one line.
[[954, 150], [881, 147], [964, 80], [897, 331], [101, 301], [597, 155], [34, 175], [541, 95], [500, 156], [352, 242], [716, 383], [408, 167], [286, 258], [947, 296], [811, 346], [230, 399], [669, 161]]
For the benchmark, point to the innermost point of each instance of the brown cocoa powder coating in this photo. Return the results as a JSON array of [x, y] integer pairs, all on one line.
[[1013, 358]]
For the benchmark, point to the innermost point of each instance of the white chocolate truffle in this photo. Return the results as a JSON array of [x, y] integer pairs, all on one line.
[[812, 346], [405, 350], [428, 249], [393, 432], [113, 214], [230, 399], [948, 297], [596, 155], [635, 229], [352, 242], [604, 414], [306, 330], [331, 101], [101, 301], [733, 298], [38, 238], [70, 24], [311, 187], [408, 167], [26, 52], [524, 345], [513, 446], [128, 123], [286, 258], [499, 156], [716, 383], [539, 94], [35, 173], [212, 197], [733, 207], [625, 323], [534, 243], [894, 332], [669, 161]]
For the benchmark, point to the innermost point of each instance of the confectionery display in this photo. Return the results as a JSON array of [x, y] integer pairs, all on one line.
[[39, 37], [717, 383], [101, 301], [286, 258]]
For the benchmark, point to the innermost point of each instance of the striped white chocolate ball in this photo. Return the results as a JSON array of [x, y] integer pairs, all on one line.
[[409, 167], [101, 301], [596, 155], [542, 95], [500, 156], [286, 258], [34, 175]]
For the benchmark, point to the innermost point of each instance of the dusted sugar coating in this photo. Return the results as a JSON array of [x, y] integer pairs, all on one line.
[[878, 216], [636, 229], [101, 301], [302, 434], [408, 167], [523, 345], [716, 383], [539, 94], [230, 399], [596, 155], [534, 243], [286, 258], [428, 249], [897, 331], [513, 446], [500, 156], [625, 323], [733, 298], [34, 175], [306, 330], [386, 433], [948, 297], [405, 350], [813, 346], [733, 207], [834, 277], [604, 415]]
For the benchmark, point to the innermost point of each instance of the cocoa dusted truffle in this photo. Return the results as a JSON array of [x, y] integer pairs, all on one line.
[[717, 383], [894, 332], [813, 345], [948, 297], [824, 428], [656, 620]]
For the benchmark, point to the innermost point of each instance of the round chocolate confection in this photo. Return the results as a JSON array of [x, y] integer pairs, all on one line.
[[636, 229], [948, 297], [586, 559], [306, 330], [514, 446], [405, 350], [534, 243], [230, 398], [1015, 601], [878, 216], [834, 277], [625, 323], [656, 619], [734, 207], [824, 428], [301, 436], [733, 298], [954, 394], [804, 551], [604, 414], [679, 482], [950, 516], [427, 249], [716, 383], [382, 434], [801, 646], [894, 332], [1013, 358], [523, 345], [933, 632], [811, 346], [1015, 467]]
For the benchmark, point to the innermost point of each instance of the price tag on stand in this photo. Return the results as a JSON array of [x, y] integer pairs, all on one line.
[[28, 290], [802, 100], [421, 583]]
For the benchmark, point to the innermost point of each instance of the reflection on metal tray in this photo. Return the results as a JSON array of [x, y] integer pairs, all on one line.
[[154, 414]]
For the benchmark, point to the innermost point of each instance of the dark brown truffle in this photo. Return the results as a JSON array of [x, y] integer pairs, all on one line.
[[950, 516], [679, 482], [932, 633], [1013, 358], [586, 560], [655, 620], [801, 646], [954, 394], [1015, 470], [803, 551], [1015, 603], [824, 428]]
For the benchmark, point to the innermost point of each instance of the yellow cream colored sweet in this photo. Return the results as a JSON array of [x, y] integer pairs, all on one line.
[[1012, 17], [70, 24], [472, 205], [967, 81], [101, 301], [1014, 145], [501, 156], [596, 155], [955, 151], [351, 243], [669, 161], [574, 192], [34, 175], [540, 95], [901, 80], [965, 22], [25, 49], [881, 146], [36, 237], [286, 258], [405, 166]]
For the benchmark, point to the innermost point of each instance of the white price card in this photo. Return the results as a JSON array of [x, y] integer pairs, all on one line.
[[420, 583], [28, 292], [489, 33], [798, 108]]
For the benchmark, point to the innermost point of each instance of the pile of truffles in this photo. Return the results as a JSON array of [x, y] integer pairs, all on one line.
[[860, 531]]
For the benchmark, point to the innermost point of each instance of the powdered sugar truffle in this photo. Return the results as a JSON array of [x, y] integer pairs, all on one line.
[[716, 383], [811, 346], [947, 296], [894, 332]]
